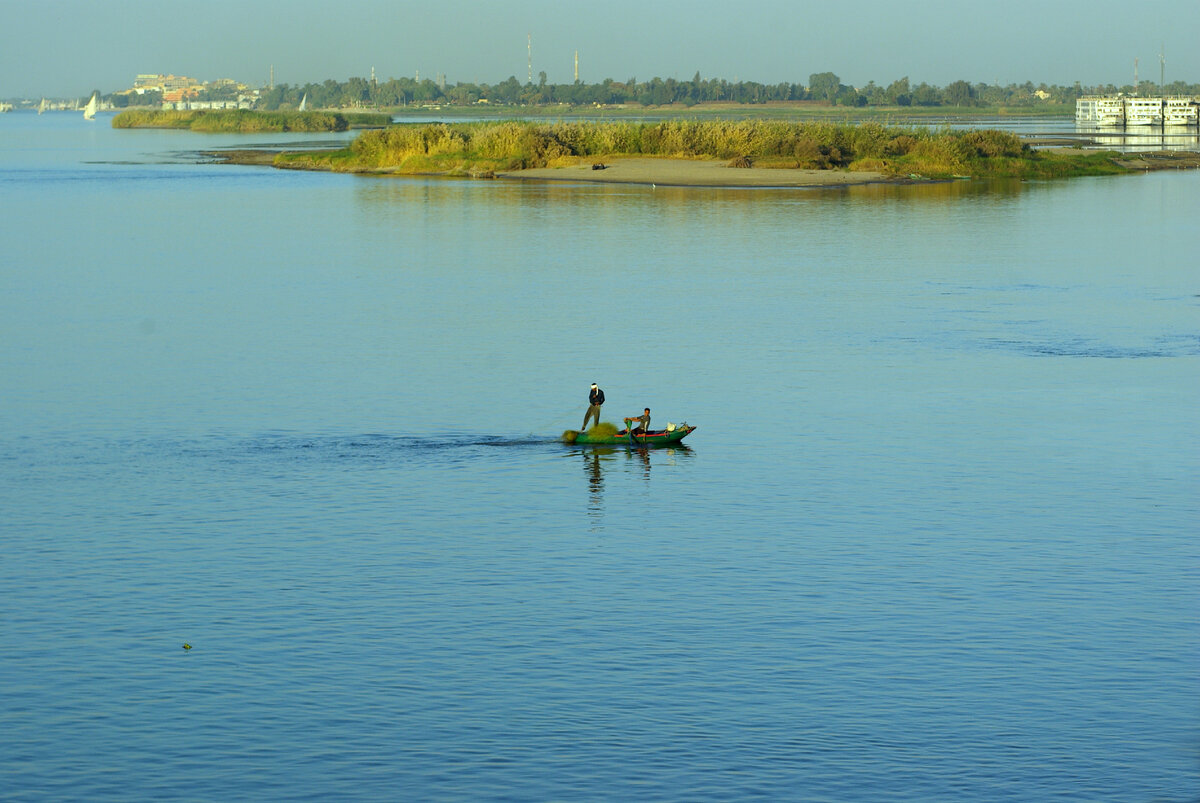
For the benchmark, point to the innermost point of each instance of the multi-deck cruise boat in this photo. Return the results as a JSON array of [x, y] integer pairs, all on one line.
[[1119, 110], [1180, 111], [1110, 111], [1105, 111], [1143, 111]]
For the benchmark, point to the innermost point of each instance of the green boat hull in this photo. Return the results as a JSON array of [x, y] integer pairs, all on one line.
[[627, 438]]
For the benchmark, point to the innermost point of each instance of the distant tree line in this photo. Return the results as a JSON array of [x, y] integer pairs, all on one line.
[[824, 87], [150, 98]]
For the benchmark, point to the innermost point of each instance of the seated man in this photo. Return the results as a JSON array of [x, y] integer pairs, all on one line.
[[644, 418]]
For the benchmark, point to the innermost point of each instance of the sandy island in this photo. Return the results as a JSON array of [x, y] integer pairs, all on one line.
[[669, 172], [696, 173], [631, 170]]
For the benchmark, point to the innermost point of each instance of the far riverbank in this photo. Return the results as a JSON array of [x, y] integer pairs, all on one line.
[[244, 121]]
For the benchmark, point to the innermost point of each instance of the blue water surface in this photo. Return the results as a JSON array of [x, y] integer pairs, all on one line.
[[934, 538]]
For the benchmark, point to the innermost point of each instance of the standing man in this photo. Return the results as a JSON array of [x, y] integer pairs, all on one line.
[[595, 399]]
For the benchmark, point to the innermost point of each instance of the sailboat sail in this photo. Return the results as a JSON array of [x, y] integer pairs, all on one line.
[[303, 103], [93, 104], [42, 106]]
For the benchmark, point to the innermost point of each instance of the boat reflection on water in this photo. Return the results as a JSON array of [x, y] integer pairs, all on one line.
[[598, 460], [1141, 139]]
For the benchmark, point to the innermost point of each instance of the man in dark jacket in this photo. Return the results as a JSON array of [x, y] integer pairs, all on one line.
[[595, 399]]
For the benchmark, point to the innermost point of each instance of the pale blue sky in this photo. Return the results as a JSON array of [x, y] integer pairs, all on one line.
[[68, 47]]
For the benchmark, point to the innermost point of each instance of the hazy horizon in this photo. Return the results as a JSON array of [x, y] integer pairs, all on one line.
[[65, 48]]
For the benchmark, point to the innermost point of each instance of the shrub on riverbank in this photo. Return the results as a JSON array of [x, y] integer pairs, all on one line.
[[514, 145]]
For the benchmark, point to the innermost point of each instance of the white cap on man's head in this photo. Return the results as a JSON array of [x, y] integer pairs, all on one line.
[[593, 384]]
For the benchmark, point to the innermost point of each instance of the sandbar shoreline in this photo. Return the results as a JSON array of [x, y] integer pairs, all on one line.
[[668, 172], [665, 172], [698, 173]]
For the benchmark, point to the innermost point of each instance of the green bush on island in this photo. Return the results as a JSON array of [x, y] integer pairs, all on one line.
[[477, 147], [245, 121]]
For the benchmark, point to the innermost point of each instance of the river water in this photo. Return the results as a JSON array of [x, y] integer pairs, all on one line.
[[935, 537]]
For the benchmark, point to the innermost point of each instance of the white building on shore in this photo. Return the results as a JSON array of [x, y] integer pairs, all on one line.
[[242, 102]]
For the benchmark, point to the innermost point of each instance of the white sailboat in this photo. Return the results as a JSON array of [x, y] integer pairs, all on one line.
[[42, 106], [89, 111], [303, 107]]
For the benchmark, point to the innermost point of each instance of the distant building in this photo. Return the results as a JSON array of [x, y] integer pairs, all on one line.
[[164, 83], [177, 95], [243, 102], [180, 93]]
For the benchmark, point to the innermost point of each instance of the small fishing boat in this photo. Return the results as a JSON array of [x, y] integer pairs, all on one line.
[[602, 435]]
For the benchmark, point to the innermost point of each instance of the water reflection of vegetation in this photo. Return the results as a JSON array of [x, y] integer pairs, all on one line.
[[508, 205]]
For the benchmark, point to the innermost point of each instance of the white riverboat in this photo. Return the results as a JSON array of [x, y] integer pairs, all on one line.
[[1181, 111], [1110, 111], [1103, 111], [1122, 110], [1143, 111]]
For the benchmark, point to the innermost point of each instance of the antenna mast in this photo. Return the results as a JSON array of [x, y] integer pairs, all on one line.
[[576, 66], [529, 51], [1135, 75]]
